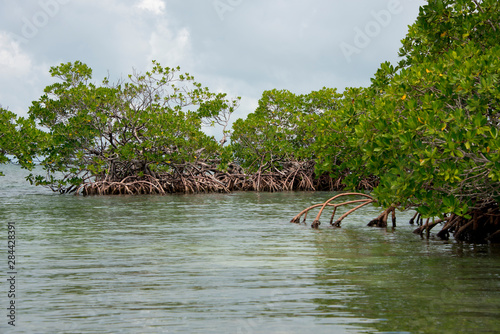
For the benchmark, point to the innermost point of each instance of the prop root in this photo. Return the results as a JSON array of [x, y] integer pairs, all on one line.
[[315, 224]]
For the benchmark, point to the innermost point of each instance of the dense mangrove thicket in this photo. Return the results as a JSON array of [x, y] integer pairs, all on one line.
[[428, 128], [202, 177], [131, 130], [424, 135]]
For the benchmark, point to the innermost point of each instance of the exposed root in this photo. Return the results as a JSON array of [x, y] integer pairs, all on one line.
[[381, 220], [418, 219], [315, 224], [364, 202], [204, 177], [482, 226], [428, 226], [304, 213]]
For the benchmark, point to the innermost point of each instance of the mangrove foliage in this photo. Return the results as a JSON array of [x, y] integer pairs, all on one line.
[[425, 134]]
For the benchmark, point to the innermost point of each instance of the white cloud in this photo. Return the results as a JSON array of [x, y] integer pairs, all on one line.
[[171, 48], [155, 6], [260, 44], [12, 59]]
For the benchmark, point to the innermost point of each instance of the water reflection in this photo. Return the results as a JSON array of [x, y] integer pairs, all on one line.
[[413, 286]]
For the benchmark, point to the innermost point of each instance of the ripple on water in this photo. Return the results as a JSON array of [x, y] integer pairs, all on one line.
[[232, 263]]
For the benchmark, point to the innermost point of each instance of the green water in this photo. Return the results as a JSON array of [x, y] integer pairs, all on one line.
[[232, 263]]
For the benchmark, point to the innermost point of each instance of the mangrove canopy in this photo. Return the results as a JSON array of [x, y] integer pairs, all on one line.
[[425, 134]]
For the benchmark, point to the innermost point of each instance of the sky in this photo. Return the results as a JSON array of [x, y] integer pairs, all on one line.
[[240, 47]]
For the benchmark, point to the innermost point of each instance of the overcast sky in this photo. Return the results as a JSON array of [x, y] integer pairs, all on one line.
[[241, 47]]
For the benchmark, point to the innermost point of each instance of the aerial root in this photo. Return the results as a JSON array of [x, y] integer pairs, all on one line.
[[315, 224], [205, 176], [481, 226], [478, 226], [418, 218], [428, 226], [381, 220]]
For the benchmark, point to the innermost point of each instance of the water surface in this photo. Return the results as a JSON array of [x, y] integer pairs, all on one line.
[[232, 263]]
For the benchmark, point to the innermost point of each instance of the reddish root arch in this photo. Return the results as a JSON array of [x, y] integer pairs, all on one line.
[[480, 225], [361, 203]]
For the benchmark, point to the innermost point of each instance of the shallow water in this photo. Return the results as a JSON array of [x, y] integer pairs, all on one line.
[[232, 263]]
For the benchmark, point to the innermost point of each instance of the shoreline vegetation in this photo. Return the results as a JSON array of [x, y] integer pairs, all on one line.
[[201, 177], [425, 134]]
